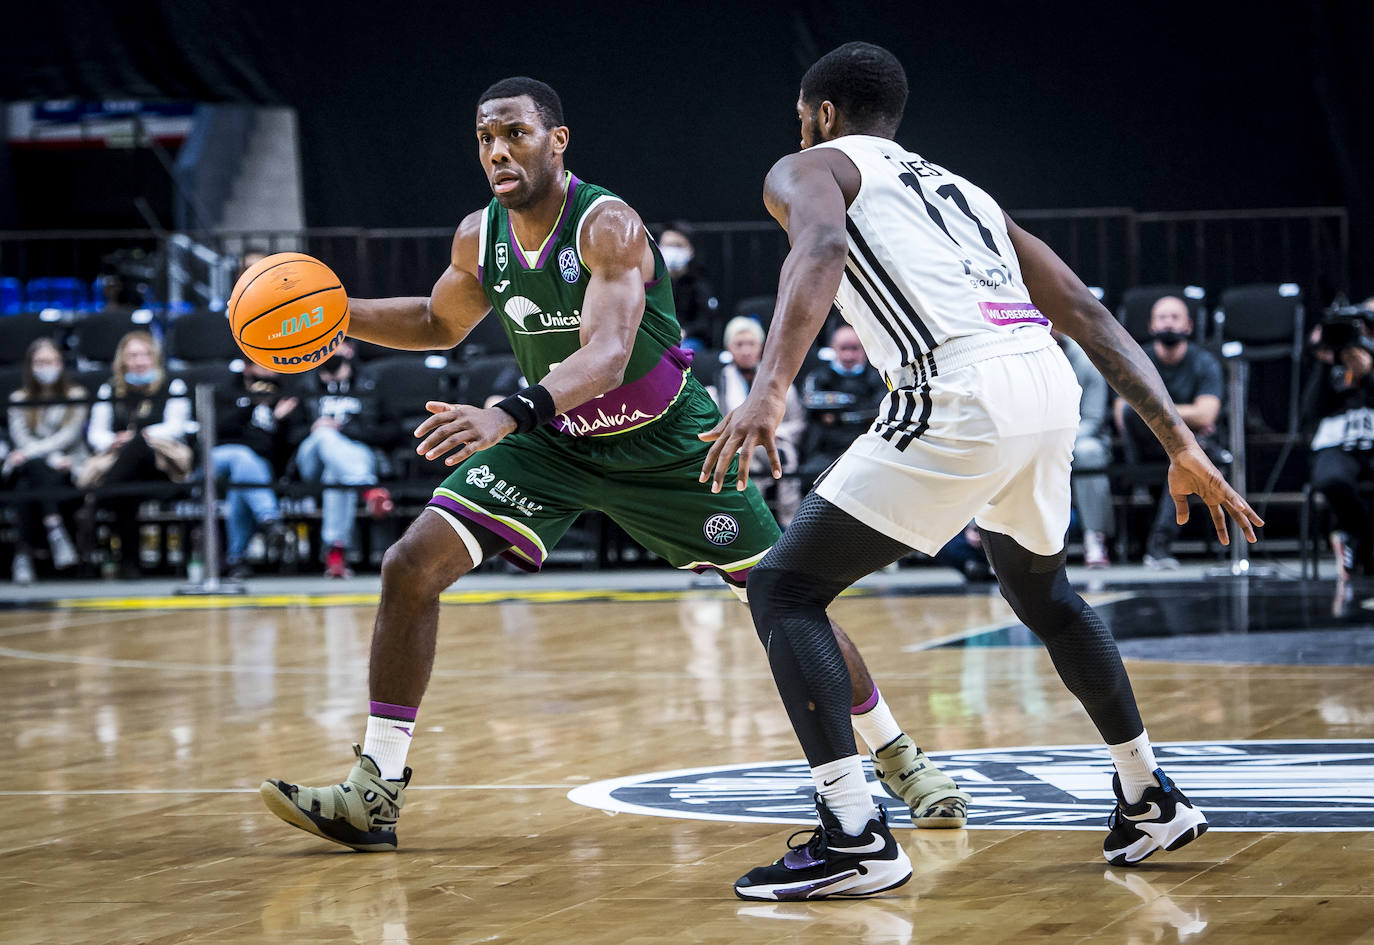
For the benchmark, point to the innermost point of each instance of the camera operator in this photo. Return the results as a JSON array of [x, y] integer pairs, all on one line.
[[1340, 400]]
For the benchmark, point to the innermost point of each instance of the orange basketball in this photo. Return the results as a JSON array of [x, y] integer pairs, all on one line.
[[288, 312]]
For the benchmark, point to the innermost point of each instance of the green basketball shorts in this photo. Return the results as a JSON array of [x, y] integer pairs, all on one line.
[[530, 487]]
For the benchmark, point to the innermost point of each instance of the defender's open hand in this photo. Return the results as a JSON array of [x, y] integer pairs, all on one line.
[[752, 424], [1192, 473]]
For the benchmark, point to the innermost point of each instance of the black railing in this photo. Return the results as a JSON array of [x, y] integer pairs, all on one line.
[[1112, 247]]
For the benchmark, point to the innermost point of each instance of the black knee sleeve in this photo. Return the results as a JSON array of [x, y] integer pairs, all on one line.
[[823, 551], [808, 666], [1084, 653]]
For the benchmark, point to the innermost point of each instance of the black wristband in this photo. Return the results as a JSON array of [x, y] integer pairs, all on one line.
[[530, 407]]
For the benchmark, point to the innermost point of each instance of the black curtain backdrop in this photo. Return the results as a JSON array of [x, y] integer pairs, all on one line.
[[683, 107]]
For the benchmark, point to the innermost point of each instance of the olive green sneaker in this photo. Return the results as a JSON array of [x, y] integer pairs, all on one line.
[[908, 775], [360, 813]]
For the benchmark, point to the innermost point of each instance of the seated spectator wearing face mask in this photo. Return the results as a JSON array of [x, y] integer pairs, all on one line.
[[1193, 378], [744, 341], [49, 445], [841, 400], [139, 425], [693, 297]]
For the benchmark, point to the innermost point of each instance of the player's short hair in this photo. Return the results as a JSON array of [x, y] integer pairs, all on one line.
[[546, 100], [864, 81]]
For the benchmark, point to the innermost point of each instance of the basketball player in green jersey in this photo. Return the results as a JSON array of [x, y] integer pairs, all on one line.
[[612, 425]]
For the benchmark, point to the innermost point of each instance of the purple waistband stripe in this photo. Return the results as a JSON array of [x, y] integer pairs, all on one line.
[[401, 713], [633, 404], [868, 704]]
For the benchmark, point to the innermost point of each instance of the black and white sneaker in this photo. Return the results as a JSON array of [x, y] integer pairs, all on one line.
[[1164, 819], [831, 863]]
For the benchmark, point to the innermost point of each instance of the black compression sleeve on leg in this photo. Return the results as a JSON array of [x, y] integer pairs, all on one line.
[[823, 551], [1083, 651]]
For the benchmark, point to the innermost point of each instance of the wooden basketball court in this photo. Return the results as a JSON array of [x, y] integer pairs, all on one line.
[[136, 736]]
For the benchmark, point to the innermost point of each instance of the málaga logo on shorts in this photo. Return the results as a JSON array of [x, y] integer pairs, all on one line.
[[568, 265], [721, 529], [480, 476], [1261, 785]]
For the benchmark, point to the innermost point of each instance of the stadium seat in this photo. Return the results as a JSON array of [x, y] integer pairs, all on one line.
[[11, 379], [1134, 310], [1263, 323], [11, 296], [17, 332], [201, 337], [64, 292], [474, 380], [97, 336], [758, 307], [403, 384]]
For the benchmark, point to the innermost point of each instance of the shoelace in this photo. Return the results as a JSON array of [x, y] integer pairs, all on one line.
[[814, 844]]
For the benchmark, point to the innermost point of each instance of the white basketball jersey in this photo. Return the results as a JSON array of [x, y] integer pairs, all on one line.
[[929, 259]]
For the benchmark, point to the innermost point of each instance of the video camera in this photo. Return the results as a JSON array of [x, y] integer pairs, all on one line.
[[1345, 326]]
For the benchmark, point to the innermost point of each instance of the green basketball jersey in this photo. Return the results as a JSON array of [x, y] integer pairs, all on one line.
[[538, 295]]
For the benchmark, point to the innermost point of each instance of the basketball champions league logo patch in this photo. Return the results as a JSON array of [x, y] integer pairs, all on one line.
[[1260, 785], [721, 529], [568, 265]]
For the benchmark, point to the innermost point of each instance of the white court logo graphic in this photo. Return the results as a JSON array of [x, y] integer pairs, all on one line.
[[1244, 785], [480, 476]]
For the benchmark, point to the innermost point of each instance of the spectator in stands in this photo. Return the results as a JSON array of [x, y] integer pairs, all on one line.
[[139, 425], [49, 445], [1193, 379], [693, 297], [841, 400], [743, 339], [256, 428], [341, 410], [1340, 400], [1092, 452]]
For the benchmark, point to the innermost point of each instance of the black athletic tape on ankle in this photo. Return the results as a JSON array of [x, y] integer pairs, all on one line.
[[530, 407]]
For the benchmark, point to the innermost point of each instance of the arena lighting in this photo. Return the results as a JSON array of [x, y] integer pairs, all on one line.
[[1195, 292], [142, 316], [50, 315], [436, 362], [1098, 292], [1289, 289], [236, 365]]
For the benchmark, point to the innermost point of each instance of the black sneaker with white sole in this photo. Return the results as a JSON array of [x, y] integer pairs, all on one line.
[[1163, 819], [831, 863]]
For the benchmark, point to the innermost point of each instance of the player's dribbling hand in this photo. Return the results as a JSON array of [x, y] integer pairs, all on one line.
[[461, 427], [1192, 473], [750, 425]]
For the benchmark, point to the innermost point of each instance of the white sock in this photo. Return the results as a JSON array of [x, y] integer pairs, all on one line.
[[842, 786], [1135, 763], [874, 722], [388, 740]]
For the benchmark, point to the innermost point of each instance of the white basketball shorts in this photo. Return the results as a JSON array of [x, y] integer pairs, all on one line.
[[990, 438]]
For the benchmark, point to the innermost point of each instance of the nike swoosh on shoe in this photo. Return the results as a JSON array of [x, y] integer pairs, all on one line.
[[876, 844]]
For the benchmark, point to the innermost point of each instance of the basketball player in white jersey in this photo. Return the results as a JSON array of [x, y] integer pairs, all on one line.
[[947, 294]]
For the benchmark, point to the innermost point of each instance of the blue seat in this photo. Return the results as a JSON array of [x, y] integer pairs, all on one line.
[[64, 292], [11, 296]]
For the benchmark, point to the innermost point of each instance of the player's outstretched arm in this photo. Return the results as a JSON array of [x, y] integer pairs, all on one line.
[[455, 305], [615, 248], [802, 193], [1066, 301]]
